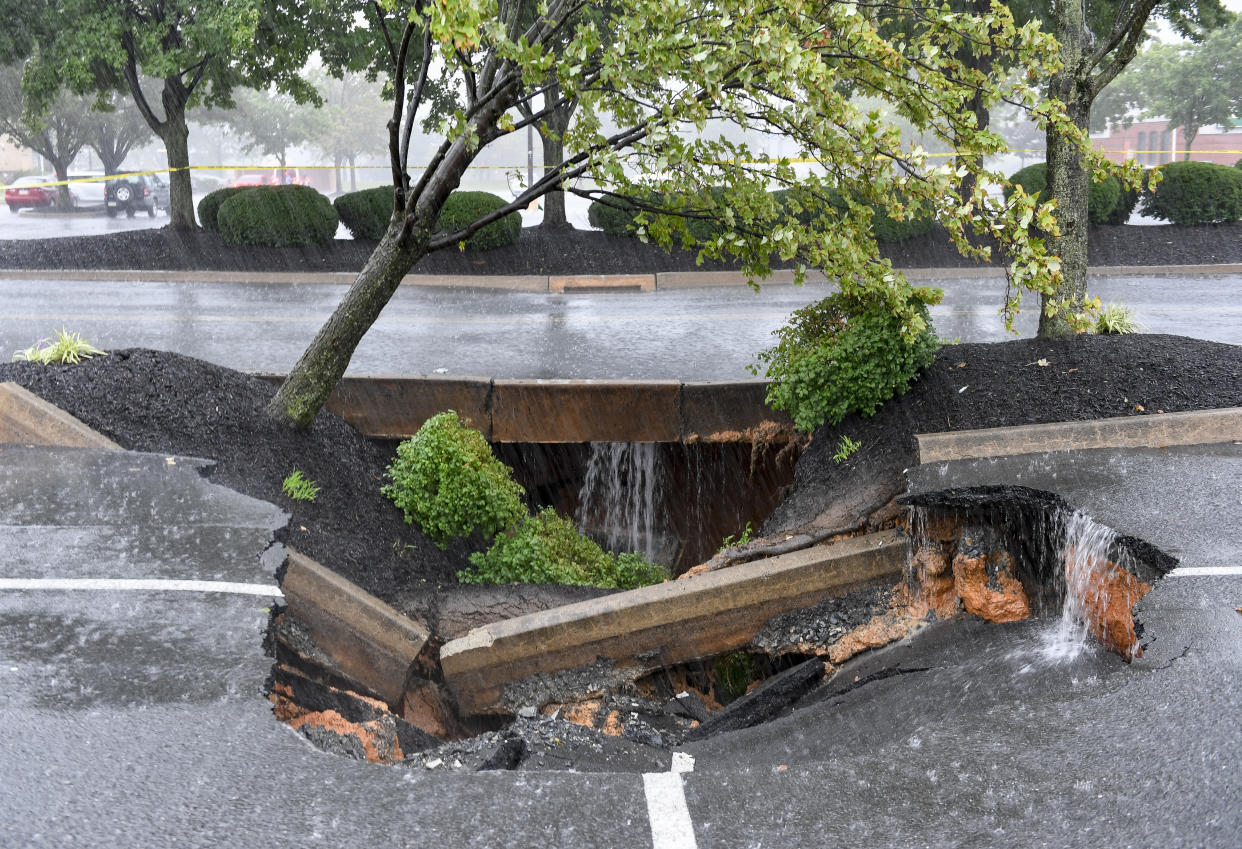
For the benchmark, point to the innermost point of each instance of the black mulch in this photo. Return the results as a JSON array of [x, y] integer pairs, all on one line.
[[995, 385], [562, 252]]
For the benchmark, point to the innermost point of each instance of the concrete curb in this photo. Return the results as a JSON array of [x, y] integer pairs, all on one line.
[[1198, 427], [27, 419], [392, 407], [371, 644], [568, 284], [669, 623]]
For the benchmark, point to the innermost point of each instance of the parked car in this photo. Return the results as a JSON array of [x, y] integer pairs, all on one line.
[[252, 180], [160, 191], [128, 195], [90, 191], [30, 193]]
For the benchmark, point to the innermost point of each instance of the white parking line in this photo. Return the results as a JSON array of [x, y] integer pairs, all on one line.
[[671, 826], [144, 584], [1191, 571]]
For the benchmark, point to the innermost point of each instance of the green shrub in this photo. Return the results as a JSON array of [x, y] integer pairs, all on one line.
[[889, 230], [1102, 197], [366, 213], [844, 354], [446, 479], [615, 217], [209, 206], [464, 208], [547, 549], [1238, 164], [1196, 193], [277, 216], [1127, 200]]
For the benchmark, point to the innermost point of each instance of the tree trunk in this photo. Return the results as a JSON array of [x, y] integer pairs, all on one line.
[[1190, 133], [1069, 183], [553, 202], [63, 202], [353, 173], [317, 372], [1067, 178], [176, 137]]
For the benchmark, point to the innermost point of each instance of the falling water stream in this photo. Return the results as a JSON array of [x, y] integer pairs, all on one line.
[[1085, 550], [619, 496]]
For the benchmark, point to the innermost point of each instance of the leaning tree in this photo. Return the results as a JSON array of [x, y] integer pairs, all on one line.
[[646, 96]]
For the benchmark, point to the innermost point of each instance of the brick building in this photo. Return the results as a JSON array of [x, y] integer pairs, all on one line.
[[1153, 143]]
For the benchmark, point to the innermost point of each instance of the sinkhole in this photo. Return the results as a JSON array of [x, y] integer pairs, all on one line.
[[988, 554]]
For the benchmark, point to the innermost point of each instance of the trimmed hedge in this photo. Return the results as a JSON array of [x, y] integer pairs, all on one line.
[[617, 219], [366, 213], [277, 216], [1102, 198], [1196, 193], [209, 206], [463, 208]]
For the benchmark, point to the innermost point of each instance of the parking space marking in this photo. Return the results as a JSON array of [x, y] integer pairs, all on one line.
[[1192, 571], [140, 584], [671, 826]]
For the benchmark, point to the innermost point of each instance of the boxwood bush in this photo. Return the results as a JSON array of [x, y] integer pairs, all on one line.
[[844, 354], [446, 479], [366, 213], [1102, 198], [547, 549], [209, 206], [617, 219], [1196, 193], [463, 208], [277, 216]]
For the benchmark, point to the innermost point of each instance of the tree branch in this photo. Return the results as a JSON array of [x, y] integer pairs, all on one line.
[[416, 99]]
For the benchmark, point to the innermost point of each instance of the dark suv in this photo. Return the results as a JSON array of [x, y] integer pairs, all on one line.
[[139, 191]]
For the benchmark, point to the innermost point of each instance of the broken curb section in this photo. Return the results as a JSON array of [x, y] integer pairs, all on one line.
[[26, 419], [656, 626], [370, 644]]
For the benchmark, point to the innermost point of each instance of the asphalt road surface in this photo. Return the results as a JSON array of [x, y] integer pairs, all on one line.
[[132, 714], [692, 334]]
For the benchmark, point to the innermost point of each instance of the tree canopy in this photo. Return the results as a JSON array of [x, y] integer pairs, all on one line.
[[646, 99], [198, 50], [1193, 85]]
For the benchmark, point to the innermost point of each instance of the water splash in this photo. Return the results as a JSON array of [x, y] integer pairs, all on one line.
[[1085, 550], [618, 499]]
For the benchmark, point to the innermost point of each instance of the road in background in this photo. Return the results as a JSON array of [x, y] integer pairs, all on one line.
[[690, 334]]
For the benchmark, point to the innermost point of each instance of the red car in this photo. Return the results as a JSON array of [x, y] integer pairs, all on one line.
[[29, 192]]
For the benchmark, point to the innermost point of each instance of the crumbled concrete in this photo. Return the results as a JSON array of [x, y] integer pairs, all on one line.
[[819, 626], [568, 685]]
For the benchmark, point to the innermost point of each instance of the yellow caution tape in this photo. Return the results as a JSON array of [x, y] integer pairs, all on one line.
[[277, 168]]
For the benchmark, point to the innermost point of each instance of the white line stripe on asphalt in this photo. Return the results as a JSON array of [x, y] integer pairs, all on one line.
[[671, 827], [1191, 571], [141, 584]]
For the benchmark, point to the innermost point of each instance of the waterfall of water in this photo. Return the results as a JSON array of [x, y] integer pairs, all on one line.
[[617, 503], [1085, 549]]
